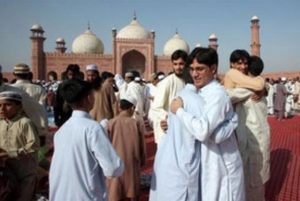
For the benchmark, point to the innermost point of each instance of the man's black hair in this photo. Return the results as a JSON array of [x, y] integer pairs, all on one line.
[[74, 91], [179, 54], [256, 66], [125, 105]]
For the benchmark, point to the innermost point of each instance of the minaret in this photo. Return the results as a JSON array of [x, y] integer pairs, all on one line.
[[255, 44], [213, 41], [37, 52], [60, 45]]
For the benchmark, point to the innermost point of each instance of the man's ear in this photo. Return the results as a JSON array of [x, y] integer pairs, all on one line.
[[214, 68]]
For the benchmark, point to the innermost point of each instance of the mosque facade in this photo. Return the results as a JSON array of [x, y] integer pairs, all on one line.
[[133, 49]]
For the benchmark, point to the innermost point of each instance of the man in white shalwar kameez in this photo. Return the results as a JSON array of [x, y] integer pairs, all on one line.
[[166, 90], [253, 132], [83, 155], [176, 172]]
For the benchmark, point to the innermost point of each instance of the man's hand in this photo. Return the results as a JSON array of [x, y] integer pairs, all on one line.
[[258, 95], [176, 104], [164, 125]]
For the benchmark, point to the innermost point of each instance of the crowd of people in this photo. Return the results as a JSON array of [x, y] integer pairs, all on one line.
[[212, 134]]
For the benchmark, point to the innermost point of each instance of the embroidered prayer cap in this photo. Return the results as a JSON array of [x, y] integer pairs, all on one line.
[[129, 74], [21, 68], [92, 67], [11, 95], [130, 99]]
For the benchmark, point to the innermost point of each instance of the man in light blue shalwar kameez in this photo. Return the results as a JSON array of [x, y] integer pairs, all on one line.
[[180, 157]]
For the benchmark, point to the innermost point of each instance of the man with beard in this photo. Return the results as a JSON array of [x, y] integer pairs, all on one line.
[[167, 89]]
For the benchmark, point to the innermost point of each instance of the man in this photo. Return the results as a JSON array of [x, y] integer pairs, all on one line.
[[280, 99], [253, 131], [83, 155], [22, 74], [35, 111], [166, 90], [19, 140], [62, 111], [199, 115]]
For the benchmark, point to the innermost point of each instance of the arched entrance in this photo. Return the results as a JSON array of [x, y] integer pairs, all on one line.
[[133, 60]]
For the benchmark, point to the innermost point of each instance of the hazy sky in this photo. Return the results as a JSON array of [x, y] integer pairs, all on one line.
[[195, 20]]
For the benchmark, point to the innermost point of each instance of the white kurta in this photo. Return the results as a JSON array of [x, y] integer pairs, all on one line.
[[222, 176], [166, 90], [35, 91], [270, 98], [254, 135], [83, 156], [136, 90]]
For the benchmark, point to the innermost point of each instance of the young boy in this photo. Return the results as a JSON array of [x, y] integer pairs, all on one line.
[[127, 137], [19, 140]]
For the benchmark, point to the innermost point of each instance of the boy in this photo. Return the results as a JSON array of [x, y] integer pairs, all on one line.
[[127, 137], [83, 155], [19, 140]]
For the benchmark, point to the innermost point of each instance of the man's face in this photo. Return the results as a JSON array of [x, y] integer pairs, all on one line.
[[91, 75], [241, 65], [202, 74], [9, 109], [178, 66], [71, 75]]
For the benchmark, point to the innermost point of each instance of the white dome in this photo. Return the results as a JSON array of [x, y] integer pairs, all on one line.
[[254, 18], [133, 31], [88, 43], [36, 27], [212, 36], [60, 40], [175, 43]]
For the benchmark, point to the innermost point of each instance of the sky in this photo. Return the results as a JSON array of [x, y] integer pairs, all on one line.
[[195, 20]]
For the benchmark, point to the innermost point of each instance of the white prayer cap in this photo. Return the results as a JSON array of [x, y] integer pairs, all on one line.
[[130, 99], [129, 74], [92, 67], [11, 95], [137, 79], [160, 77], [283, 79]]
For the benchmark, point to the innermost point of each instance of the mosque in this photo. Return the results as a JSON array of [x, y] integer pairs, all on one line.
[[133, 49]]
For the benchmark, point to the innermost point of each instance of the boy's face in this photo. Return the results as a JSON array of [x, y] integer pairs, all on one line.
[[9, 109], [241, 65], [178, 66]]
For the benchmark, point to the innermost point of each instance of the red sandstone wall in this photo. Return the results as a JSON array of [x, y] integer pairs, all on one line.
[[163, 63], [58, 62]]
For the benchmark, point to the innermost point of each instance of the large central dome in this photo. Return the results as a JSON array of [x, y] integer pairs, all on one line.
[[175, 43], [88, 43], [134, 31]]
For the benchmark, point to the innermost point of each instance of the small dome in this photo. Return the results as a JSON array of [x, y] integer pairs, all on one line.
[[254, 18], [37, 27], [134, 31], [175, 43], [60, 40], [87, 43], [212, 37]]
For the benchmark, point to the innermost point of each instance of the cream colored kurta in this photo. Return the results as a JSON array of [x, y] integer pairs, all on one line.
[[249, 146], [166, 90], [256, 138], [35, 91]]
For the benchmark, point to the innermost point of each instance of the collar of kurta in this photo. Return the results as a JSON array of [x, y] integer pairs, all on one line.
[[14, 119], [80, 113], [208, 86], [22, 81]]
